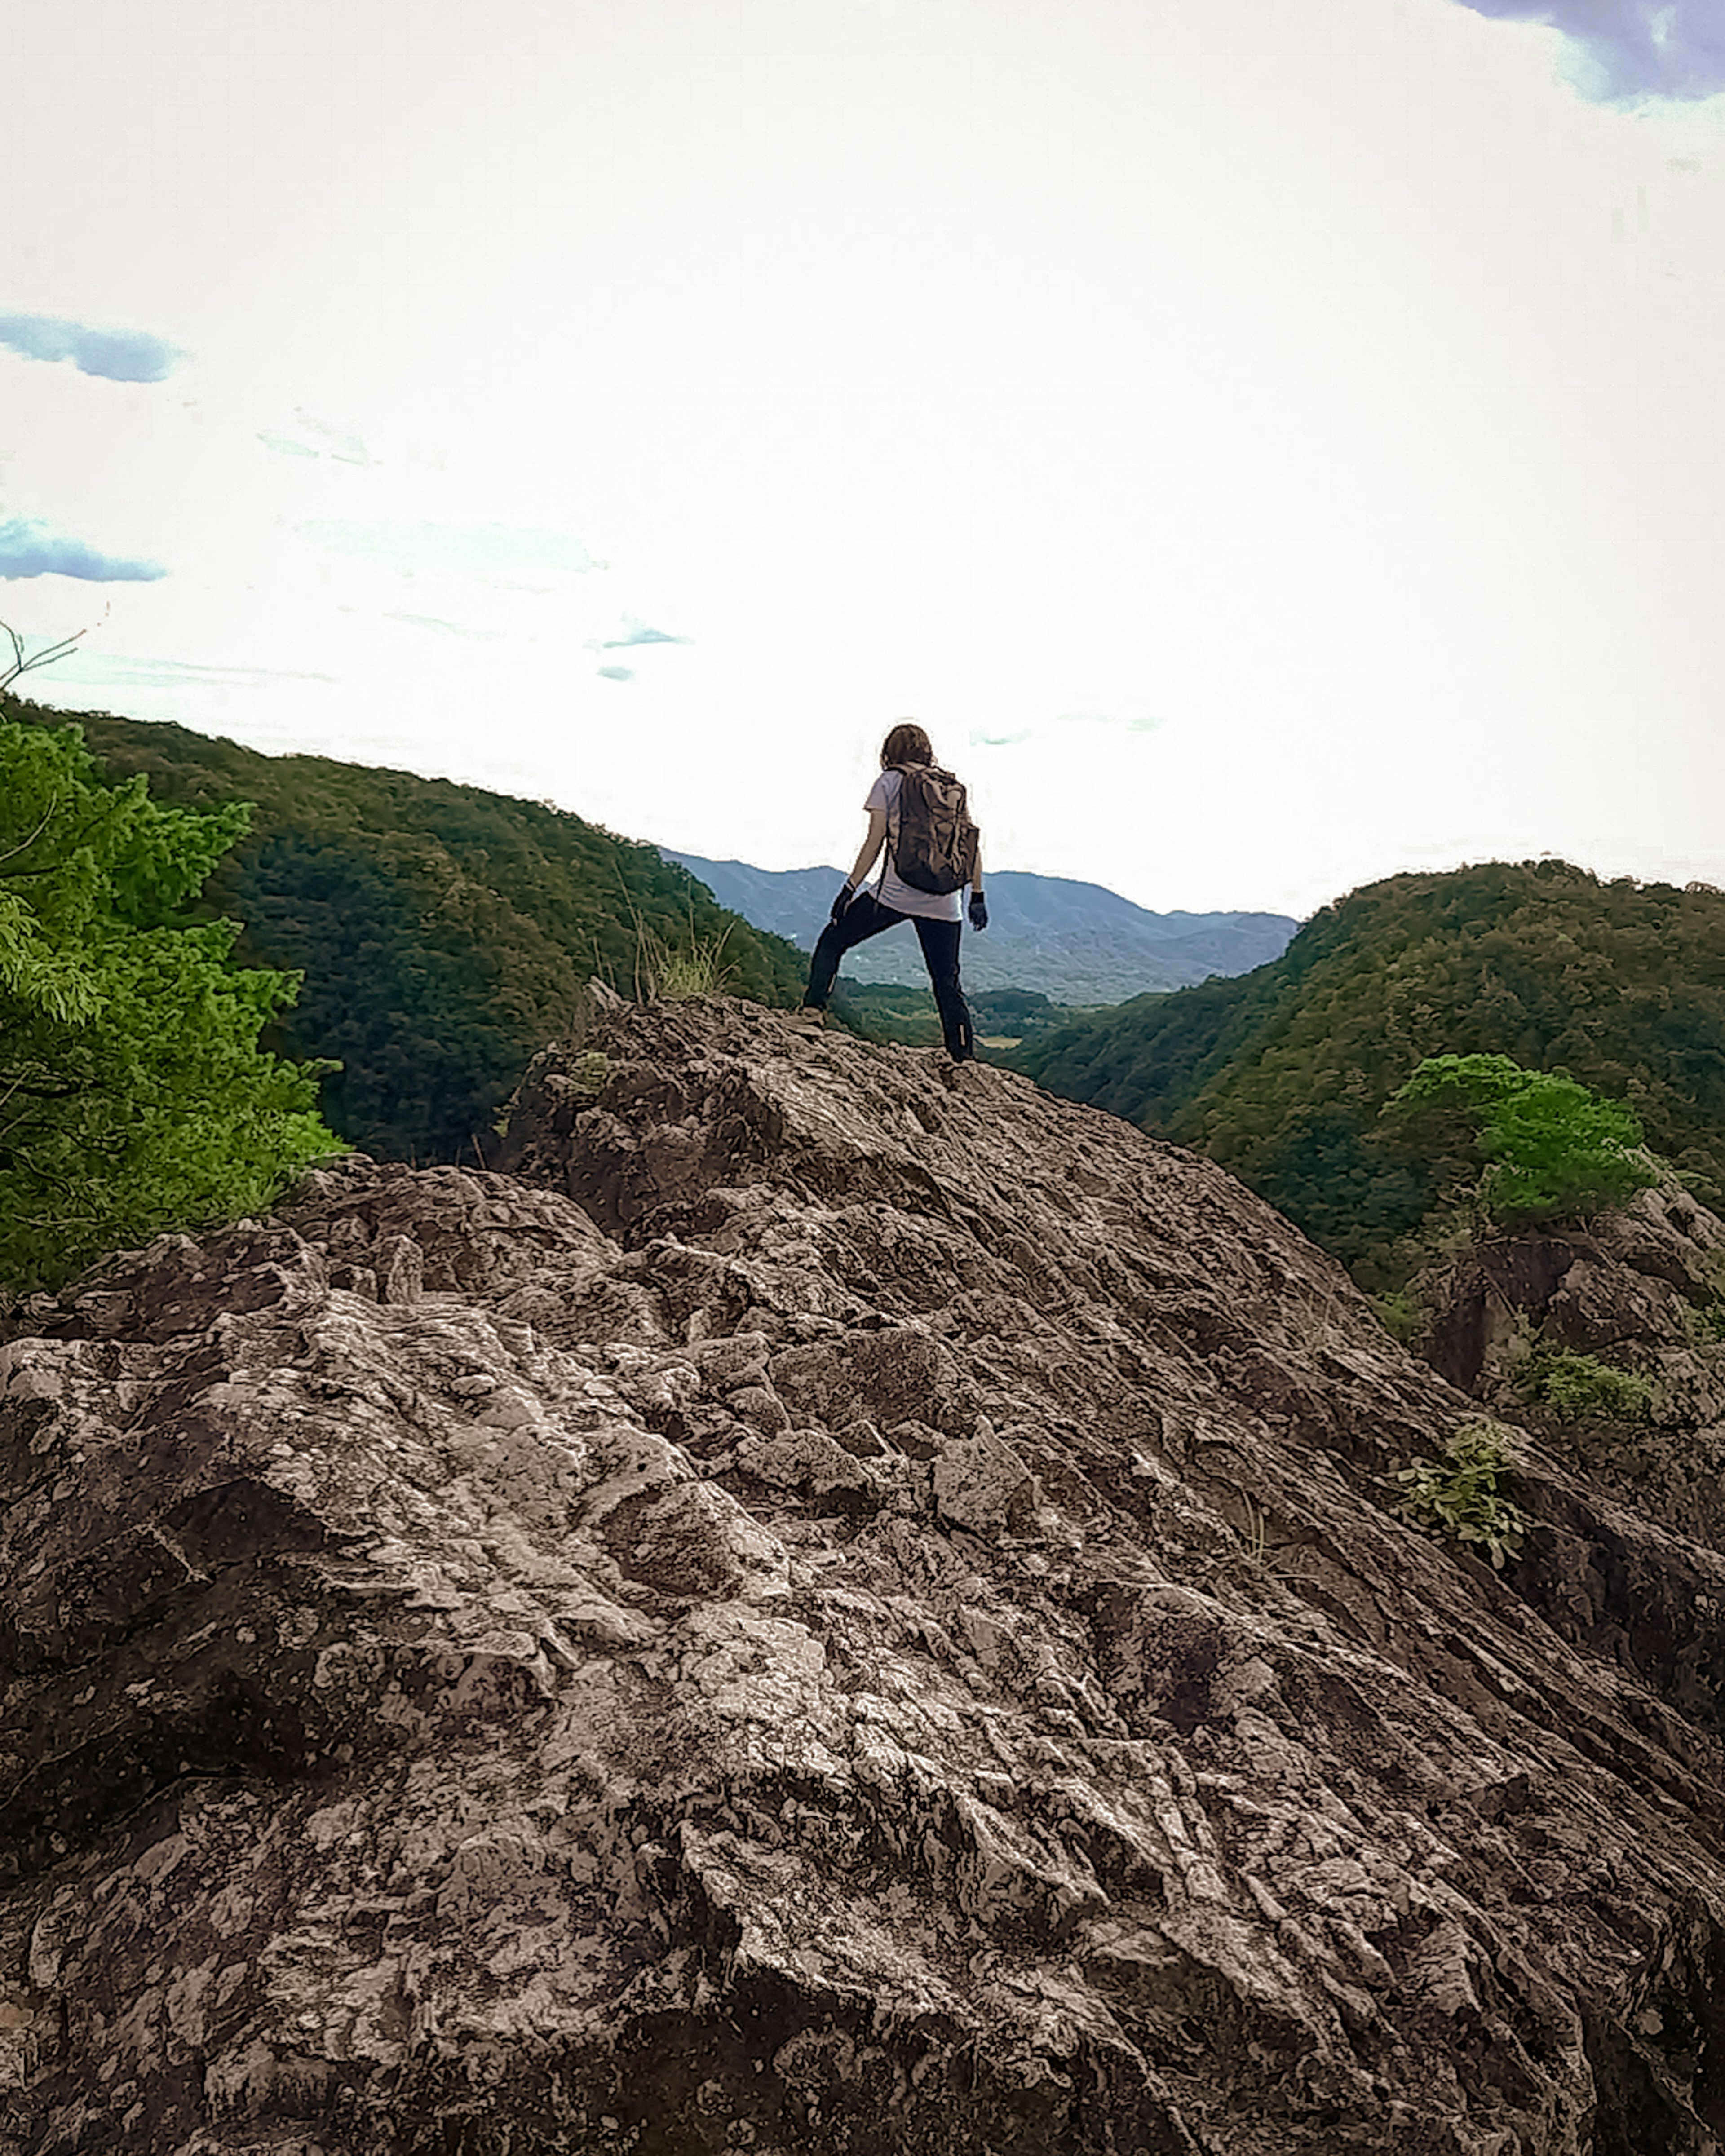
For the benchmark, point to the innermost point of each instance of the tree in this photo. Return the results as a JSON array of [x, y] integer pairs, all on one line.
[[1553, 1149], [133, 1095]]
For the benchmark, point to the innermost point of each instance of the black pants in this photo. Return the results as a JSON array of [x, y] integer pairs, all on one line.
[[865, 916]]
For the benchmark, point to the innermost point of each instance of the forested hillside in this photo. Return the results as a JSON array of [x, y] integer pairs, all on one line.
[[443, 932], [1280, 1074]]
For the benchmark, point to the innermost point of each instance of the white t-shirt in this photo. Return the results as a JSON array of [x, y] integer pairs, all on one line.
[[932, 905]]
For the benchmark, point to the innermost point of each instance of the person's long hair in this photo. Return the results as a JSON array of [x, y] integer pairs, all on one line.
[[906, 743]]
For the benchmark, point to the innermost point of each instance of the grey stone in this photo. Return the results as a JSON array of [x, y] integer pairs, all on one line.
[[444, 1724]]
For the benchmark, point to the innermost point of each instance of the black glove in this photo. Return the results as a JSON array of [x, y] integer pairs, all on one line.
[[979, 910], [846, 894]]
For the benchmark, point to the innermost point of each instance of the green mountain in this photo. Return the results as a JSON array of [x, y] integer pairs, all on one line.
[[1280, 1075], [444, 932]]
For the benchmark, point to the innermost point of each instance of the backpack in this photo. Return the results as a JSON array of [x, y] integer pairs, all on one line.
[[933, 841]]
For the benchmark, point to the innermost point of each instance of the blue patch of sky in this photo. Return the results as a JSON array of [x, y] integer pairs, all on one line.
[[284, 447], [473, 550], [1626, 50], [29, 548], [116, 355], [617, 673]]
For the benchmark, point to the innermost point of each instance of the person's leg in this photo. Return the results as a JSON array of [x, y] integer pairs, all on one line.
[[940, 952], [864, 917]]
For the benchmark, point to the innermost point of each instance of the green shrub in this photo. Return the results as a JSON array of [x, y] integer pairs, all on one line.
[[1578, 1387], [1457, 1495], [1554, 1150]]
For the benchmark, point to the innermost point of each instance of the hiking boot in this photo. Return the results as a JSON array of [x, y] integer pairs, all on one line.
[[809, 1018]]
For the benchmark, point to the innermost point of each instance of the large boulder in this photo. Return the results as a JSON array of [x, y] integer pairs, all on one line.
[[822, 1607]]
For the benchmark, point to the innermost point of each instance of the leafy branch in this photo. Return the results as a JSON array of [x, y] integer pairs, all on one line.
[[23, 663], [133, 1095]]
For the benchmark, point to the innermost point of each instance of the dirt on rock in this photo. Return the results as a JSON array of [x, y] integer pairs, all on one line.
[[820, 1608]]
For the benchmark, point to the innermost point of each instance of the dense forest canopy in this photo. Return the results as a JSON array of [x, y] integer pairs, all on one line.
[[133, 1094], [1280, 1074], [444, 932]]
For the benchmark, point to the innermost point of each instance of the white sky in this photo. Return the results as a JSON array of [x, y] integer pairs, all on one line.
[[1268, 442]]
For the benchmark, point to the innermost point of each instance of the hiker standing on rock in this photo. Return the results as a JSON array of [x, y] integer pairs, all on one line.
[[918, 812]]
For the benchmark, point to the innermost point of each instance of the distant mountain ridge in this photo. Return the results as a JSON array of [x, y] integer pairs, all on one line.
[[1075, 942]]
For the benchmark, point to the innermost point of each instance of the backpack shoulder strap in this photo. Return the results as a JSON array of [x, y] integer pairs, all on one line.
[[895, 814]]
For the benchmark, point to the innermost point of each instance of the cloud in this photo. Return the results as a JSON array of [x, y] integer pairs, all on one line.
[[117, 355], [285, 447], [446, 627], [1125, 717], [473, 550], [1128, 715], [637, 631], [617, 673], [105, 670], [345, 448], [1627, 49], [342, 449], [28, 548]]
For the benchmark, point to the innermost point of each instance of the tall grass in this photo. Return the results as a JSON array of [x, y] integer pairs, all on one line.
[[671, 971]]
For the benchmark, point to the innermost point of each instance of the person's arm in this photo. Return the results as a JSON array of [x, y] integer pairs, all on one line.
[[870, 850], [978, 903]]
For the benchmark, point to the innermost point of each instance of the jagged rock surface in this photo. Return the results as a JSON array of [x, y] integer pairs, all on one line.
[[1641, 1291], [824, 1610]]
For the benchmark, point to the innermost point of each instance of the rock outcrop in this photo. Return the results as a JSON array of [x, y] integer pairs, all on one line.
[[1640, 1292], [823, 1609]]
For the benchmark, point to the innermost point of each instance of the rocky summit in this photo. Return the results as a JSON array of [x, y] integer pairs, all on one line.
[[823, 1604]]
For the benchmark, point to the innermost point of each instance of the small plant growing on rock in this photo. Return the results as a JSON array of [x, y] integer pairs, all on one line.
[[694, 965], [1398, 1314], [589, 1072], [587, 1077], [1457, 1494], [1577, 1387], [1707, 1326], [1254, 1534]]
